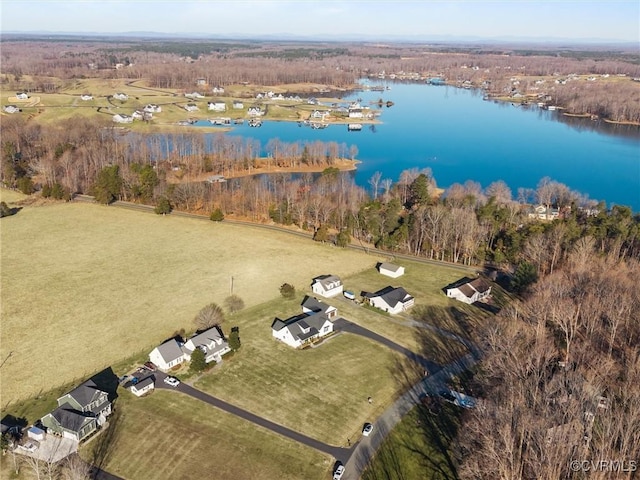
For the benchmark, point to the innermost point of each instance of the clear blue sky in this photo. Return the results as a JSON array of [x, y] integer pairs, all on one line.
[[572, 19]]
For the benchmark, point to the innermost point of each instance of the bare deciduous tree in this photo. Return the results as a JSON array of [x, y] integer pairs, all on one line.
[[210, 316]]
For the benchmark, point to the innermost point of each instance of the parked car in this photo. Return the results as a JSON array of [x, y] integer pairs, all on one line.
[[172, 381], [367, 429], [338, 472], [150, 366]]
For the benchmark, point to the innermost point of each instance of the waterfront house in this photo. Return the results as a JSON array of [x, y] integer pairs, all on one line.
[[255, 112], [191, 107], [217, 106]]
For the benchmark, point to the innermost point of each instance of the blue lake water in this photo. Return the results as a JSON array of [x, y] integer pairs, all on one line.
[[461, 137]]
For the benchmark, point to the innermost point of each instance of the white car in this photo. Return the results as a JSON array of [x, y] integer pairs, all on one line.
[[367, 429], [172, 381], [337, 475]]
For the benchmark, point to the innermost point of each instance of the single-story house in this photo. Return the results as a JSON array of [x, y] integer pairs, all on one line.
[[217, 106], [298, 330], [191, 107], [138, 115], [211, 342], [121, 96], [122, 118], [11, 109], [313, 305], [79, 413], [391, 270], [327, 286], [469, 291], [143, 386], [86, 97], [22, 96], [255, 112], [217, 90], [390, 299], [167, 355], [319, 114], [194, 95], [152, 108], [238, 105]]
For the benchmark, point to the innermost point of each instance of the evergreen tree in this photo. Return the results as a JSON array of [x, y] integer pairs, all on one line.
[[198, 362], [108, 185], [217, 215]]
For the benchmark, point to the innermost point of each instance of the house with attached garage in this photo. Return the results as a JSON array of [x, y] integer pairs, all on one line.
[[167, 355], [327, 286], [122, 118], [79, 413], [152, 108], [468, 291], [390, 299], [390, 270], [211, 342], [313, 305]]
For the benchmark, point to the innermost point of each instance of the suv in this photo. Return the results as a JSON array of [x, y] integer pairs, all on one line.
[[367, 429], [172, 381], [338, 472]]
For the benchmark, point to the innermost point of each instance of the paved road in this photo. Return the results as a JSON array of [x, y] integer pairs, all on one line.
[[336, 452]]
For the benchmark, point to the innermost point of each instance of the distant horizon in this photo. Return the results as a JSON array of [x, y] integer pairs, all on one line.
[[574, 21]]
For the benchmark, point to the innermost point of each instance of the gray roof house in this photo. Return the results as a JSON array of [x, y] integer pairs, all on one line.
[[167, 355], [79, 412], [390, 299], [313, 305], [143, 386], [211, 342], [327, 285], [391, 270], [301, 329]]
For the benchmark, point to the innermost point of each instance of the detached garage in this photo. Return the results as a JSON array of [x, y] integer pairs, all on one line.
[[391, 270]]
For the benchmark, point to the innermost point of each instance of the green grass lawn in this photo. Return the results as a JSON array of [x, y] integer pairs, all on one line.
[[84, 286], [418, 448], [10, 196], [321, 392], [170, 435]]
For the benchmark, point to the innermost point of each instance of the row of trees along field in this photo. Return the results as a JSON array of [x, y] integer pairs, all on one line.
[[31, 66], [560, 376], [466, 224]]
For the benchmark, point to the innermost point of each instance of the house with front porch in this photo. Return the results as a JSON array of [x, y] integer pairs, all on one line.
[[327, 286], [301, 329], [390, 299], [211, 342]]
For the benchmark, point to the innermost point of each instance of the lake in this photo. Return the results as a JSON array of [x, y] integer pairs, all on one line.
[[461, 137]]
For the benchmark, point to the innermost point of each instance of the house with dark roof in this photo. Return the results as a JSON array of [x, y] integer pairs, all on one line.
[[390, 270], [301, 329], [469, 291], [327, 286], [79, 413], [313, 305], [390, 299]]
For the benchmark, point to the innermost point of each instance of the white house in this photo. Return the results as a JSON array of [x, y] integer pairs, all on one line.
[[194, 95], [327, 286], [191, 107], [217, 90], [211, 342], [86, 97], [152, 108], [22, 96], [238, 105], [543, 213], [121, 96], [143, 386], [201, 81], [167, 355], [313, 305], [298, 330], [391, 270], [217, 106], [255, 112], [469, 291], [355, 113], [390, 299], [319, 114], [11, 109], [122, 118]]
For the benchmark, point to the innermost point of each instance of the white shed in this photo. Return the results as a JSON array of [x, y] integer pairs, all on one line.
[[391, 270]]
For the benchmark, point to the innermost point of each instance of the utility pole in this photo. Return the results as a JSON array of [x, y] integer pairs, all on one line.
[[231, 284]]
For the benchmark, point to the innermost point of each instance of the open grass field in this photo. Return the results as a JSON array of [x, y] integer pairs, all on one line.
[[10, 196], [84, 286], [320, 391], [170, 435]]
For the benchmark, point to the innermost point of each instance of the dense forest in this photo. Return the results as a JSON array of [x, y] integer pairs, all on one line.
[[30, 64]]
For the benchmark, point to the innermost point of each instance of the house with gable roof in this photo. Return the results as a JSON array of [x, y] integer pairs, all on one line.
[[468, 291], [312, 305], [390, 270], [314, 322], [211, 342], [79, 413], [327, 285], [167, 355], [390, 299]]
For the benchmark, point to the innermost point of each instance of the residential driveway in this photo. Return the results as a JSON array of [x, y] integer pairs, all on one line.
[[52, 449], [343, 325], [337, 452]]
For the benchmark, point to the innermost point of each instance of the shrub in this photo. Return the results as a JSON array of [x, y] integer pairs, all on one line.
[[163, 207], [234, 303], [25, 185], [234, 339], [217, 215], [287, 290]]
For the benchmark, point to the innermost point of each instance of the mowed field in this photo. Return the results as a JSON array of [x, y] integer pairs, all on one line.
[[170, 435], [84, 286]]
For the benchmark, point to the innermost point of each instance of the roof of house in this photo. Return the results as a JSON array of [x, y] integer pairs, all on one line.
[[315, 305], [469, 287], [70, 419], [390, 266], [296, 325], [480, 285], [328, 281], [144, 383], [85, 393], [392, 296], [208, 339], [170, 351]]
